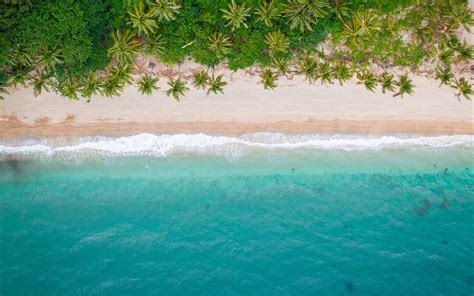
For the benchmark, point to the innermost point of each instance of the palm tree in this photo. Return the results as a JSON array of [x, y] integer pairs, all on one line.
[[40, 82], [20, 75], [235, 15], [303, 14], [367, 21], [386, 80], [125, 47], [165, 9], [405, 86], [281, 64], [269, 79], [90, 86], [463, 87], [49, 58], [462, 15], [216, 84], [277, 42], [142, 21], [266, 12], [441, 54], [325, 72], [177, 88], [341, 10], [70, 88], [353, 34], [219, 44], [444, 75], [154, 44], [20, 56], [111, 87], [464, 51], [341, 72], [122, 74], [147, 84], [368, 79], [201, 79], [309, 67]]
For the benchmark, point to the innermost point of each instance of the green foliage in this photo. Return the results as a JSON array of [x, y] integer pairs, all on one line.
[[201, 79], [141, 20], [268, 79], [463, 87], [147, 84], [216, 84], [303, 14], [125, 47], [277, 42], [235, 15], [405, 86], [177, 88]]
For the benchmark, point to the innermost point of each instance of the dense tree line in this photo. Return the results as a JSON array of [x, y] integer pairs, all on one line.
[[59, 45]]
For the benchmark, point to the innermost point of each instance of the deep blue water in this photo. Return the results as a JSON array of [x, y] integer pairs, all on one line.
[[325, 222]]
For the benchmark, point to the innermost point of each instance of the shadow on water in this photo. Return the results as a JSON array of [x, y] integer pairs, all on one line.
[[12, 167]]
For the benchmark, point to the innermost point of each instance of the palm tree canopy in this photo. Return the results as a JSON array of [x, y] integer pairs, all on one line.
[[154, 44], [165, 9], [125, 47], [303, 14], [220, 44], [236, 15], [147, 84], [142, 21], [267, 12], [277, 42], [269, 79], [177, 88], [216, 84]]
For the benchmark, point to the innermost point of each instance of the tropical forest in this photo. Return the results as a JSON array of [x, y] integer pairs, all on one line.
[[82, 48]]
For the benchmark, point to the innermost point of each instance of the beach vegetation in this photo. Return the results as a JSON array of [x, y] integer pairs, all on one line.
[[141, 20], [405, 86], [368, 79], [269, 79], [165, 10], [177, 88], [236, 15], [147, 84], [463, 88], [216, 84], [201, 79]]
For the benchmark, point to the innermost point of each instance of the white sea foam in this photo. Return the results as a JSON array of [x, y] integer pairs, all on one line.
[[163, 145]]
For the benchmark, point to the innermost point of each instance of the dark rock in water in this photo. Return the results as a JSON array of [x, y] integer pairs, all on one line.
[[445, 242], [445, 204], [207, 206], [426, 203], [420, 212], [445, 171], [293, 169], [350, 287]]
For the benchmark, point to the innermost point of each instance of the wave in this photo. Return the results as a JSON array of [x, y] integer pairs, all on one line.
[[164, 145]]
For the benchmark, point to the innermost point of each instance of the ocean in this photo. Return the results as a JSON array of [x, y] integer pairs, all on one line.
[[258, 214]]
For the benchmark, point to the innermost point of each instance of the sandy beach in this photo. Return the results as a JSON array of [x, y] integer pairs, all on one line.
[[296, 106]]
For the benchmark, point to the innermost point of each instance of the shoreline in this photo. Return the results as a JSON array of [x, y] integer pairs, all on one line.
[[295, 107]]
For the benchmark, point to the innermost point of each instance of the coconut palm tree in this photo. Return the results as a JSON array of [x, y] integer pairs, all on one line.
[[177, 88], [143, 21], [216, 84], [405, 86], [367, 20], [441, 54], [353, 34], [20, 56], [110, 87], [201, 79], [463, 87], [309, 67], [303, 14], [325, 72], [154, 44], [267, 12], [219, 44], [40, 82], [444, 75], [90, 86], [49, 58], [464, 51], [147, 84], [269, 79], [70, 89], [165, 9], [125, 47], [341, 72], [341, 10], [277, 42], [386, 80], [461, 15], [235, 14], [20, 75], [281, 64], [368, 79], [121, 74]]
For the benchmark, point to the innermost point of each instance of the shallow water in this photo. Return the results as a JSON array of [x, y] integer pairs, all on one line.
[[238, 218]]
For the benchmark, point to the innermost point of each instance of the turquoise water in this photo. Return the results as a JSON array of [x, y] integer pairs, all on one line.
[[263, 222]]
